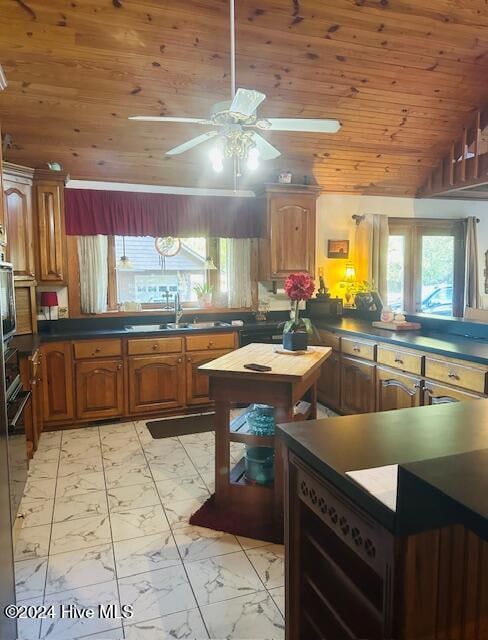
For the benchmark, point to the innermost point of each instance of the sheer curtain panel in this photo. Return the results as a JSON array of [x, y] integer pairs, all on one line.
[[239, 272], [93, 262]]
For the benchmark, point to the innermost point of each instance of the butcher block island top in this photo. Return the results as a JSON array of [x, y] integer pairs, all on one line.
[[240, 505], [283, 366]]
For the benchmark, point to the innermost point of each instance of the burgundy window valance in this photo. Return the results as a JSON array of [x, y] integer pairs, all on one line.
[[92, 212]]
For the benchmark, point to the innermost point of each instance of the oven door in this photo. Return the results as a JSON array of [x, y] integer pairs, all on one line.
[[17, 448], [7, 299]]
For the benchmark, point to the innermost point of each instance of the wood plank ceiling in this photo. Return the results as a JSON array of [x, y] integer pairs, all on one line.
[[401, 75]]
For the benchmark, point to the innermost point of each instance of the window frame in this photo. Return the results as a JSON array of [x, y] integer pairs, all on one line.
[[212, 276], [413, 229]]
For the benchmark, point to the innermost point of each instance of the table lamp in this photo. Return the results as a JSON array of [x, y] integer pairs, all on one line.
[[49, 299]]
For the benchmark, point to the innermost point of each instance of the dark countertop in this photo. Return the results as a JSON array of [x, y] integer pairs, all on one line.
[[429, 436], [451, 345], [93, 334]]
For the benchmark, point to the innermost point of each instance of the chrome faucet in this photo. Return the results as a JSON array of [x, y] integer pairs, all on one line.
[[178, 309]]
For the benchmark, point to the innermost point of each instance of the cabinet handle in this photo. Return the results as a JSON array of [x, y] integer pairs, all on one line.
[[98, 349], [155, 346], [189, 359], [357, 349], [453, 376], [119, 367], [398, 360], [210, 342], [179, 360]]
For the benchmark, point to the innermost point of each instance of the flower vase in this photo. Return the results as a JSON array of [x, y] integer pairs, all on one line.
[[295, 340]]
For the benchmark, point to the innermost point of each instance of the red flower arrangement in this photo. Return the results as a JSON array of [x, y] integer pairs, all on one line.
[[298, 286]]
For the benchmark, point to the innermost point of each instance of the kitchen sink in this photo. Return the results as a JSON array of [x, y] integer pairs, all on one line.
[[146, 327], [210, 325], [172, 326]]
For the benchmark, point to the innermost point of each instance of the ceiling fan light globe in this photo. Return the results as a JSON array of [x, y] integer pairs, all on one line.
[[253, 159], [217, 158]]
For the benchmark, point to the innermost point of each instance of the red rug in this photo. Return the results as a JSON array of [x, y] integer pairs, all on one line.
[[213, 517]]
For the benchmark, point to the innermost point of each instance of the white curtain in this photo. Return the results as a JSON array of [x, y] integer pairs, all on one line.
[[371, 252], [239, 272], [472, 285], [93, 261]]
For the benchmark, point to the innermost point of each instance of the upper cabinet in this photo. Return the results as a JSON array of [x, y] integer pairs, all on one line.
[[289, 243], [49, 188], [18, 220]]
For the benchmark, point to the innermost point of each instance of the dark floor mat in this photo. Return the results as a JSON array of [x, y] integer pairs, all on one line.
[[181, 426]]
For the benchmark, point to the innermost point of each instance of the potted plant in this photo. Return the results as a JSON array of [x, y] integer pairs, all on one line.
[[204, 294], [298, 286]]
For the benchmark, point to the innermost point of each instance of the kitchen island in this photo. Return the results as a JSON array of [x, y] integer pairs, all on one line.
[[290, 387], [386, 520]]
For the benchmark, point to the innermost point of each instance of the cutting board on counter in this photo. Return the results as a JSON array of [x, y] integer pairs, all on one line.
[[397, 326]]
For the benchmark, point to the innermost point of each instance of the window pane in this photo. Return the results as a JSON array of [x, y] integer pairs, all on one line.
[[437, 274], [153, 279], [396, 272]]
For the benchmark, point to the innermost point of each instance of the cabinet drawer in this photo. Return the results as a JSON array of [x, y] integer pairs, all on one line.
[[97, 348], [329, 339], [398, 359], [154, 345], [210, 341], [462, 374], [358, 348], [440, 394]]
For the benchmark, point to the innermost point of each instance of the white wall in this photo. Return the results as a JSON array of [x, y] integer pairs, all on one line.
[[334, 222]]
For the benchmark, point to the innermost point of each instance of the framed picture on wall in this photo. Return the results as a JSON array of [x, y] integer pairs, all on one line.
[[338, 249]]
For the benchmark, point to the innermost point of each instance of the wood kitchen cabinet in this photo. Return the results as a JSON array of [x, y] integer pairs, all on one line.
[[358, 386], [57, 385], [51, 239], [329, 383], [397, 390], [156, 383], [289, 242], [197, 386], [17, 192], [99, 389]]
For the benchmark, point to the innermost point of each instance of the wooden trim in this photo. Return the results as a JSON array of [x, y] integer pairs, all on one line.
[[73, 277], [11, 171]]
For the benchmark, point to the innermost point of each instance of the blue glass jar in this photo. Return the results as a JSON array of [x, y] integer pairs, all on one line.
[[261, 420]]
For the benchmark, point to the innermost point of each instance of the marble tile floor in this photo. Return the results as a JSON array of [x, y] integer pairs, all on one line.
[[107, 511]]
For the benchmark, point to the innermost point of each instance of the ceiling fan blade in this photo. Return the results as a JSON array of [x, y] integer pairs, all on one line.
[[246, 101], [312, 125], [170, 119], [266, 150], [189, 144]]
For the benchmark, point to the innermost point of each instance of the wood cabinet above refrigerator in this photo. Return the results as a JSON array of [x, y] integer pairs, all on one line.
[[288, 245], [18, 220]]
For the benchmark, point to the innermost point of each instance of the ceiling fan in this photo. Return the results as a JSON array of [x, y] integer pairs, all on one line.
[[236, 124]]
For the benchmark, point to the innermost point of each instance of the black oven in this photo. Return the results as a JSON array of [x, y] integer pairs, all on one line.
[[7, 300]]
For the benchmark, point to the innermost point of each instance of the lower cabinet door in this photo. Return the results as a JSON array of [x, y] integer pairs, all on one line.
[[358, 388], [329, 383], [99, 389], [440, 394], [57, 382], [397, 390], [155, 383], [196, 381]]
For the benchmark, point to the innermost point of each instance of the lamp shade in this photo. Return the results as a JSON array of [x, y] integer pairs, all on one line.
[[350, 273], [49, 299]]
